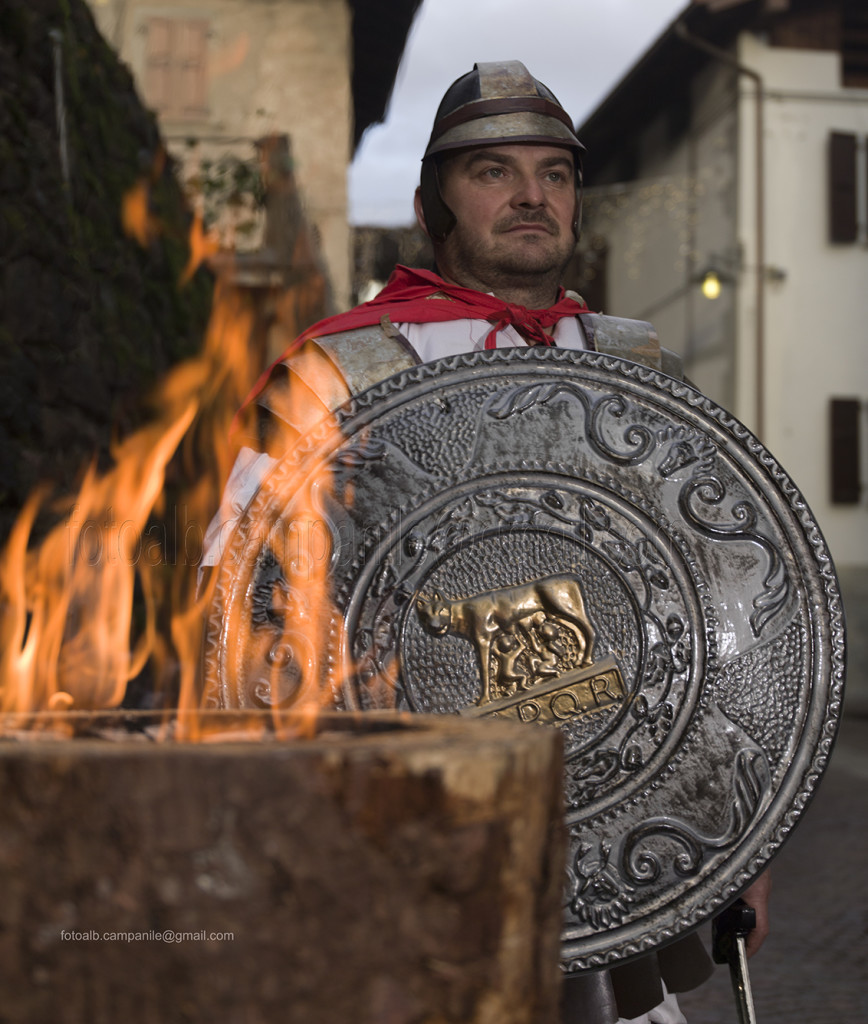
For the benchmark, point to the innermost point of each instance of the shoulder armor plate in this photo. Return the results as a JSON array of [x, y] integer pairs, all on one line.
[[635, 340]]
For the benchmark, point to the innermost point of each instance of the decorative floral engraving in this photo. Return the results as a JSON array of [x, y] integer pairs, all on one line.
[[601, 896], [374, 650], [269, 595], [686, 448], [652, 711], [641, 557], [639, 439], [710, 491], [281, 687], [351, 456], [643, 865], [588, 775]]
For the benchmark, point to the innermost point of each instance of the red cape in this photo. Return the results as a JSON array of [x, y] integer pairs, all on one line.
[[419, 297]]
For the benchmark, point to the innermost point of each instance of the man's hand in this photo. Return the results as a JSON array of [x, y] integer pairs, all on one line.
[[757, 896]]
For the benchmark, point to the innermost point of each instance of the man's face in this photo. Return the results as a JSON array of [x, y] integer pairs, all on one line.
[[514, 207]]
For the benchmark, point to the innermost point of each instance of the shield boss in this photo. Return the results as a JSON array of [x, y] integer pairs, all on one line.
[[565, 539]]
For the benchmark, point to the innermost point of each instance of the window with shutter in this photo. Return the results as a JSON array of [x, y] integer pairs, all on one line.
[[158, 64], [845, 456], [176, 72], [843, 222], [190, 68], [854, 44]]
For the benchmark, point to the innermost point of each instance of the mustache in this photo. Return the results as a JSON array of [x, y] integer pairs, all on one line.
[[539, 217]]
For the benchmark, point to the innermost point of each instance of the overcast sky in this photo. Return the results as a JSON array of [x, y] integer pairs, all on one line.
[[579, 48]]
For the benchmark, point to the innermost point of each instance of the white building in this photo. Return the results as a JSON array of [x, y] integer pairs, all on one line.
[[735, 150]]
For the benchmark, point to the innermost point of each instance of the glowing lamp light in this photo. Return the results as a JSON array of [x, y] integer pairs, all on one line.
[[711, 285]]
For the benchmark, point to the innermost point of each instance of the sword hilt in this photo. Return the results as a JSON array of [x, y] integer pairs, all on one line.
[[728, 933], [738, 920]]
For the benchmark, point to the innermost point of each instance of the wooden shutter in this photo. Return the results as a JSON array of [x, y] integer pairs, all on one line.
[[191, 70], [176, 71], [854, 44], [846, 486], [158, 64], [842, 187]]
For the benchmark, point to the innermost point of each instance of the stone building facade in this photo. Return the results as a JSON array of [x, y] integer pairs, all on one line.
[[222, 74]]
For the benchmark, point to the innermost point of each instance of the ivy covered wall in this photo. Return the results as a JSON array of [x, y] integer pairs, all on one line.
[[89, 318]]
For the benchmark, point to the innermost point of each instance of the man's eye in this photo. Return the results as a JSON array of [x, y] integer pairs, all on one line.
[[558, 177], [493, 172]]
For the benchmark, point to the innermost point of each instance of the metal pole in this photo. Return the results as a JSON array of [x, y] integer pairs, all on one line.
[[56, 37], [759, 95]]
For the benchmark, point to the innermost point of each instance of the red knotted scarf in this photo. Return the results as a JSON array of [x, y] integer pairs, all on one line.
[[419, 297]]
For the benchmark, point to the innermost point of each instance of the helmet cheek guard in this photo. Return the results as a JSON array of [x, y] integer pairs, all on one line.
[[439, 219], [494, 103]]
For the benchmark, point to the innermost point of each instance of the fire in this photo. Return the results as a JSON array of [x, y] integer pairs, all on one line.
[[137, 219], [203, 244], [84, 610], [140, 223], [268, 648], [68, 605], [66, 642]]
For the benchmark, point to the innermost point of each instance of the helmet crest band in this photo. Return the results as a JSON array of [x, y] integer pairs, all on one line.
[[507, 105]]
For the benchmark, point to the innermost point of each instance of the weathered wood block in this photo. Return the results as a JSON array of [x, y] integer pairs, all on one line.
[[397, 870]]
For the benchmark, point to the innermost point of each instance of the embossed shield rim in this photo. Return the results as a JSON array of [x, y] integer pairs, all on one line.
[[797, 524], [805, 539]]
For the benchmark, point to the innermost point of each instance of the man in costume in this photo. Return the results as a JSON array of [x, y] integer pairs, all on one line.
[[500, 198]]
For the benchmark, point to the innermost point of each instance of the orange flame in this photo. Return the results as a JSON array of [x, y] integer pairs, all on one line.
[[136, 217], [66, 608], [68, 639], [301, 613], [203, 244]]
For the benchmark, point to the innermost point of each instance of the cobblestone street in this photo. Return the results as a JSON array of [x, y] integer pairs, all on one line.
[[813, 968]]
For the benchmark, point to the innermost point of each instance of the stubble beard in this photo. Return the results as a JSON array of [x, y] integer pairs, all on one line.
[[522, 264]]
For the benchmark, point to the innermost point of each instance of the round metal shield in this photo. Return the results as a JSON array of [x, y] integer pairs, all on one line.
[[567, 539]]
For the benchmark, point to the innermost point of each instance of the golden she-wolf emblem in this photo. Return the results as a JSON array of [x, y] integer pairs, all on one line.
[[520, 633]]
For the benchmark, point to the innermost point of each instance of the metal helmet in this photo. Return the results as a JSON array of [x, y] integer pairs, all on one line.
[[494, 103]]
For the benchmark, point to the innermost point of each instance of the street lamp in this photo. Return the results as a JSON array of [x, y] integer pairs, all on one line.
[[711, 285]]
